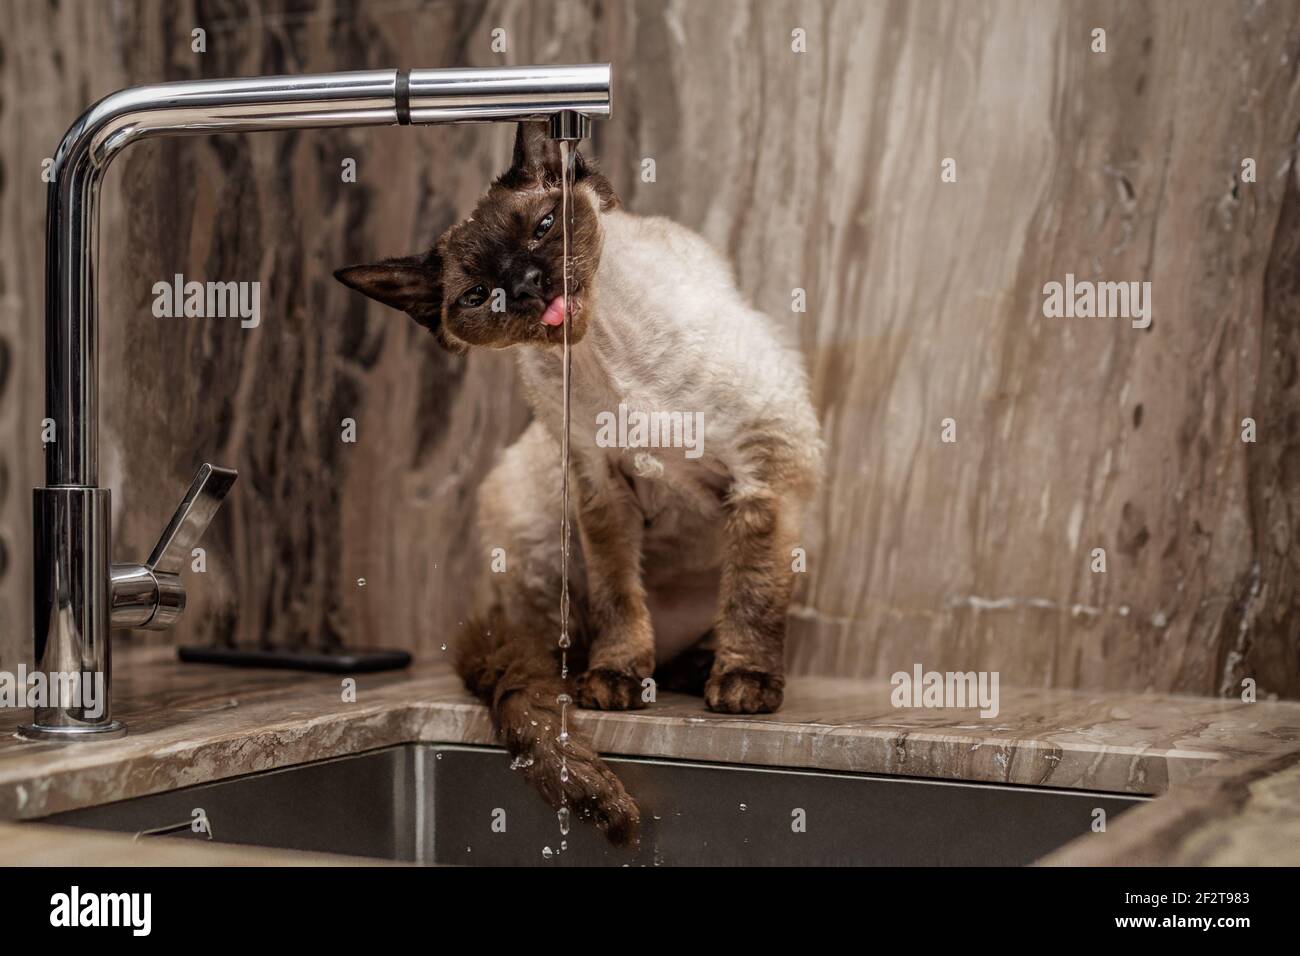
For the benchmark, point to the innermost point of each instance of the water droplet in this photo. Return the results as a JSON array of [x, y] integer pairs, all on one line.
[[547, 852], [361, 582], [521, 763], [564, 774], [743, 808], [563, 815], [564, 844], [565, 643], [444, 647], [564, 699]]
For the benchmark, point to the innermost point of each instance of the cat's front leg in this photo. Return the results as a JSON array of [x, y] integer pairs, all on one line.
[[622, 652], [748, 675]]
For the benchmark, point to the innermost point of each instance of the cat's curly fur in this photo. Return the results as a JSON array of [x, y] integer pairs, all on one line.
[[675, 556]]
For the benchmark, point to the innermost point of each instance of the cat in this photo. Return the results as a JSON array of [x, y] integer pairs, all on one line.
[[681, 559]]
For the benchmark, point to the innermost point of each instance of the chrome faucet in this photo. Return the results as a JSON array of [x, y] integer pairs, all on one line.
[[79, 593]]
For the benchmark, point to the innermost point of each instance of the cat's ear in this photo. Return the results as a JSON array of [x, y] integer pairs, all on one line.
[[537, 157], [410, 284]]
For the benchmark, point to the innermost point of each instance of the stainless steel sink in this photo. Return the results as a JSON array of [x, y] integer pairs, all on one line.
[[432, 803]]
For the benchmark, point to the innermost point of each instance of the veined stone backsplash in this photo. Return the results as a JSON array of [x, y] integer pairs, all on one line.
[[820, 171]]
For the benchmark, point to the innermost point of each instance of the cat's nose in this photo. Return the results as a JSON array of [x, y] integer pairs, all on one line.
[[529, 285]]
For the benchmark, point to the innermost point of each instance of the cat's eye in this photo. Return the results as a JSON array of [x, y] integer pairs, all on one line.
[[547, 221], [474, 297]]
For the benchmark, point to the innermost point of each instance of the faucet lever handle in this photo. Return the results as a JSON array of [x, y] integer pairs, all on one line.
[[210, 486]]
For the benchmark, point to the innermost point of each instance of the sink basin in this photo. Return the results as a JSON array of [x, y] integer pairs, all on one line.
[[433, 803]]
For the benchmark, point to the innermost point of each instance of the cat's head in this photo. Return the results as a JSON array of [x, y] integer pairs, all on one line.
[[497, 278]]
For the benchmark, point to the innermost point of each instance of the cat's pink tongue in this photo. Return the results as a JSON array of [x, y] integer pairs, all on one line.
[[554, 314]]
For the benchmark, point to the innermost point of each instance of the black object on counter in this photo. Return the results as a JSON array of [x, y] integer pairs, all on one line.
[[334, 662]]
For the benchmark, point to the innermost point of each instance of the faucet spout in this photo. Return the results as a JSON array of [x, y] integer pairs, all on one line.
[[365, 98], [73, 590], [570, 126]]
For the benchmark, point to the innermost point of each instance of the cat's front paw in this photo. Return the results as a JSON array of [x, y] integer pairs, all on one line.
[[602, 688], [744, 692]]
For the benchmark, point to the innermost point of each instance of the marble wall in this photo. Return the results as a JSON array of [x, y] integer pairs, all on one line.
[[818, 170]]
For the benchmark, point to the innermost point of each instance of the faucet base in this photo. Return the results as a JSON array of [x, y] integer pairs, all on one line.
[[109, 731]]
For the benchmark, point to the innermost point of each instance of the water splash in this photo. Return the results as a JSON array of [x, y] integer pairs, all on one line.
[[564, 700]]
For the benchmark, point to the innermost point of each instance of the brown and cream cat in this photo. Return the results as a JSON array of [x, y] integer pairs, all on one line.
[[683, 557]]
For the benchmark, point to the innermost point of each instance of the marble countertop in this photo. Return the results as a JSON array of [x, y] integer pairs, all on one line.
[[1237, 813], [1232, 769], [30, 844]]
